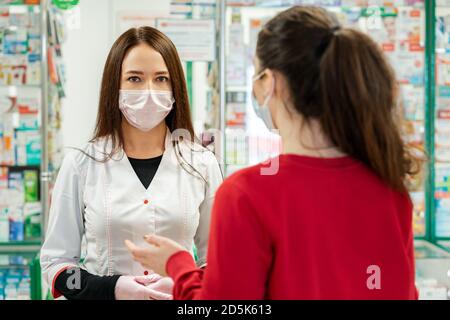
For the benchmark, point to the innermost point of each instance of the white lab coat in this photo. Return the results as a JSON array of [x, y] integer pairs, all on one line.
[[105, 203]]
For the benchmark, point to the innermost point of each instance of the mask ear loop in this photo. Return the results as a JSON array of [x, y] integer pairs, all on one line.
[[267, 100], [270, 95]]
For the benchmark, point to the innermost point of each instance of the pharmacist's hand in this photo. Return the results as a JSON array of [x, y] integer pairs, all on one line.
[[157, 283], [147, 280], [155, 256], [127, 288]]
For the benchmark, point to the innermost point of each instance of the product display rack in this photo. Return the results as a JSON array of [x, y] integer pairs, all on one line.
[[200, 76], [440, 120], [20, 50], [269, 8], [19, 258], [398, 30], [22, 265]]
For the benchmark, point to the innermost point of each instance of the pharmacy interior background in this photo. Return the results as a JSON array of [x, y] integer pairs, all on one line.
[[51, 58]]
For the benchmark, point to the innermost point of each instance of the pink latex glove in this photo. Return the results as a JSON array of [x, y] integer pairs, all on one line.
[[127, 288], [157, 283]]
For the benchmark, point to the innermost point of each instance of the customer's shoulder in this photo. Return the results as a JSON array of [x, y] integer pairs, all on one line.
[[255, 175]]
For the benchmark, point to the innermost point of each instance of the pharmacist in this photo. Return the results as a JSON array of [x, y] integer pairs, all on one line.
[[134, 178]]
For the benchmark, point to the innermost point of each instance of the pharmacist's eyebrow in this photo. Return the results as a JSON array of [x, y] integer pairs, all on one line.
[[134, 72], [162, 73]]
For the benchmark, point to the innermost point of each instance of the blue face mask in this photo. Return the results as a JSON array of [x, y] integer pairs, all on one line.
[[263, 111]]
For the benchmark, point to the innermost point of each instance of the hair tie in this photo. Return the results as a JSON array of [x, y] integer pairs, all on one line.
[[335, 30], [322, 47]]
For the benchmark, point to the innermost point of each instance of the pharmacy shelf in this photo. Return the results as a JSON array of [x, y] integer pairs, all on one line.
[[444, 244], [259, 6], [20, 167], [15, 259], [25, 245], [20, 86], [51, 36], [36, 5], [426, 250], [245, 11], [28, 263], [20, 243], [263, 6], [432, 271], [20, 247]]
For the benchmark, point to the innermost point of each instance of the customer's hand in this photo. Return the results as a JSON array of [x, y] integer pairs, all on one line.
[[155, 256], [127, 288]]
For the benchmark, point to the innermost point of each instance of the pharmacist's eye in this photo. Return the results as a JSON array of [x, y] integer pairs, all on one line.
[[134, 79], [162, 79]]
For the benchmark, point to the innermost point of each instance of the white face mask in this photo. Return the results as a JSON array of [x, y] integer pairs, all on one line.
[[263, 111], [145, 109]]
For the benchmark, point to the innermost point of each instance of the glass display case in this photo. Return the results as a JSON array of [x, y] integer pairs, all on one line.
[[32, 78], [21, 98], [441, 221], [432, 271], [398, 26], [20, 276]]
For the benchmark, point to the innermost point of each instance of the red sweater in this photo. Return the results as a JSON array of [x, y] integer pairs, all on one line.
[[312, 231]]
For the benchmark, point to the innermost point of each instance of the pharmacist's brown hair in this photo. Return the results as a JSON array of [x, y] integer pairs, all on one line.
[[340, 77]]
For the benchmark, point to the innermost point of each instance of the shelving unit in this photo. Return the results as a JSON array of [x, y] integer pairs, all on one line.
[[405, 31], [400, 31], [441, 121], [27, 169], [20, 271]]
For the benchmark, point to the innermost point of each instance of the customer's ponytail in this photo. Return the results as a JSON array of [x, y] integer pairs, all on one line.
[[358, 105]]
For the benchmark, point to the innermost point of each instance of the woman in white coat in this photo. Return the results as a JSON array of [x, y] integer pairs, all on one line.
[[142, 173]]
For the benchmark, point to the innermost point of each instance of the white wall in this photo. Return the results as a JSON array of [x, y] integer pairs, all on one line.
[[85, 52]]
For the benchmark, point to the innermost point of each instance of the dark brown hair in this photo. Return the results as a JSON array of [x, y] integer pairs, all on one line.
[[340, 77]]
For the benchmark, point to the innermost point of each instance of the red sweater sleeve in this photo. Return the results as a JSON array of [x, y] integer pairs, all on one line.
[[239, 253]]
